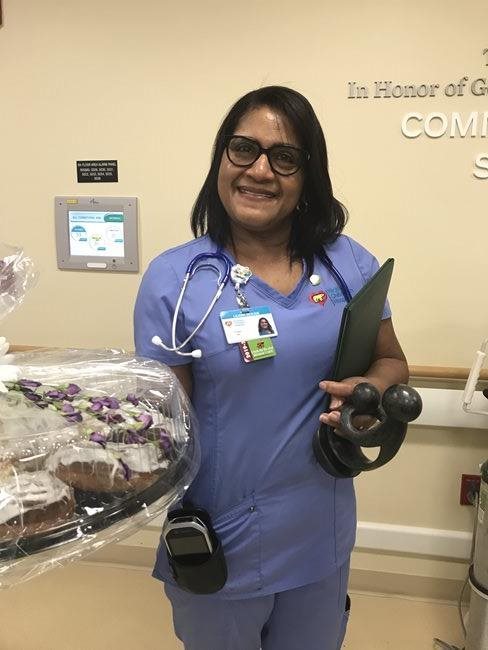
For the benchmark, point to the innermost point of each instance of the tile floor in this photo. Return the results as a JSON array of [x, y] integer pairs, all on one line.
[[98, 607]]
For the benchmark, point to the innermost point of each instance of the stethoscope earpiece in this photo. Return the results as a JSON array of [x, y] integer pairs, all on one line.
[[196, 354]]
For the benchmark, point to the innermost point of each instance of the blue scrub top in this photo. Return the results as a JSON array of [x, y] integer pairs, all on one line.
[[283, 521]]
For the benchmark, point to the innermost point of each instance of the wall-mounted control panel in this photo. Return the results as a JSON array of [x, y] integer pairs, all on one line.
[[96, 233]]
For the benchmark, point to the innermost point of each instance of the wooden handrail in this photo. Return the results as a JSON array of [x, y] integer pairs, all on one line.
[[24, 348], [430, 372], [443, 372]]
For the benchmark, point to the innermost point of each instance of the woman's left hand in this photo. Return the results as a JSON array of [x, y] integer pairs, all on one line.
[[389, 367], [339, 391]]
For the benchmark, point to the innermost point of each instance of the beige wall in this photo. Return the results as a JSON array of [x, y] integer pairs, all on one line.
[[147, 83]]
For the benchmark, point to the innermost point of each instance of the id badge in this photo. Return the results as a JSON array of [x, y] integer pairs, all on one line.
[[241, 325], [257, 349]]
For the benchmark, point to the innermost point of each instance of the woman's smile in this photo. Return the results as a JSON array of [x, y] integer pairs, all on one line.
[[256, 193]]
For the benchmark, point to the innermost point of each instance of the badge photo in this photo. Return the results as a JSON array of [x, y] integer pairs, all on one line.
[[248, 324]]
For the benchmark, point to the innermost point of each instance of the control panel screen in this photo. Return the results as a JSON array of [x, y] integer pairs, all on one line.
[[96, 233]]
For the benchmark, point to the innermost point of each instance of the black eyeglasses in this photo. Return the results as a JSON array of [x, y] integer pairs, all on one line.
[[283, 158]]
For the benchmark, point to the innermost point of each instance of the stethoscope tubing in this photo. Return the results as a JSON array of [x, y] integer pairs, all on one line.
[[177, 348], [219, 255], [327, 262]]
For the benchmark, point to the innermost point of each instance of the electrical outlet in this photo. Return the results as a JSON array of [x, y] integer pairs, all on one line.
[[470, 486]]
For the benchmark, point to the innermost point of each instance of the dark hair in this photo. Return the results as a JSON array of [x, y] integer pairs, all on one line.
[[267, 328], [322, 217]]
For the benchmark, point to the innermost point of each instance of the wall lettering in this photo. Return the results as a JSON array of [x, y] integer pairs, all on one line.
[[481, 166], [435, 125]]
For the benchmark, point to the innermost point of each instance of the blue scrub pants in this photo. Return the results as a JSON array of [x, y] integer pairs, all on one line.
[[312, 617]]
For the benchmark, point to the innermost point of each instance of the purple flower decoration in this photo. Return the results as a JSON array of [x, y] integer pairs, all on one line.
[[55, 394], [73, 389], [34, 397], [74, 417], [164, 440], [146, 420], [97, 437], [29, 383], [106, 409], [135, 438], [114, 418], [108, 402]]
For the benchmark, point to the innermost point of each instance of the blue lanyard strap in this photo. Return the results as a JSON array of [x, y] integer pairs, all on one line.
[[327, 262]]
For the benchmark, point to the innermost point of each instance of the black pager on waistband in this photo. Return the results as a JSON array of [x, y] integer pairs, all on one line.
[[194, 551]]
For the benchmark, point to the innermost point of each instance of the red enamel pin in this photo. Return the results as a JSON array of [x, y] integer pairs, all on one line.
[[319, 298]]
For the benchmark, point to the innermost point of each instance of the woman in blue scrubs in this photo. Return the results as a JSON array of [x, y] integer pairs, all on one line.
[[286, 526]]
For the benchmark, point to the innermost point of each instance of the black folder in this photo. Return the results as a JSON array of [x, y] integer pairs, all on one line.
[[360, 325]]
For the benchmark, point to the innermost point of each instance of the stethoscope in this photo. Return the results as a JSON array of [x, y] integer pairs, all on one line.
[[239, 276]]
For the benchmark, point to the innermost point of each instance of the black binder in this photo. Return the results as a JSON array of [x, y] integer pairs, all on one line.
[[360, 325]]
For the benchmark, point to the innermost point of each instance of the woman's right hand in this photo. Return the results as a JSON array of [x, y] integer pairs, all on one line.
[[339, 392]]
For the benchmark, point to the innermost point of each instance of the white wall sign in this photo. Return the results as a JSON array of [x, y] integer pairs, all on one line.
[[435, 124]]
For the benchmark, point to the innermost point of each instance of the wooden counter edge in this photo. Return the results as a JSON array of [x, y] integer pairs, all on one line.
[[434, 372]]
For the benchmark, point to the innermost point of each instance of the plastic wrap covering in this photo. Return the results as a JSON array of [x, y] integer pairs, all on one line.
[[16, 276], [93, 444]]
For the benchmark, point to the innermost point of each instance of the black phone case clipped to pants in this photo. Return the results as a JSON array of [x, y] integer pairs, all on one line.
[[209, 576]]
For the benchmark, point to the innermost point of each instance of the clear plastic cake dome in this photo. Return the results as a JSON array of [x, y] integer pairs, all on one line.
[[17, 275], [93, 445]]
